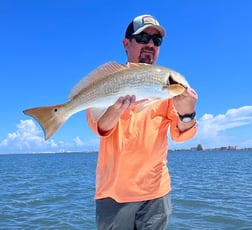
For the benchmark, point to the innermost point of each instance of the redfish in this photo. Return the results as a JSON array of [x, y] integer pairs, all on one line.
[[102, 87]]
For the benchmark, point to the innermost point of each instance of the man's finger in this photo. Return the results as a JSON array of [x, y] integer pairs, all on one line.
[[192, 93]]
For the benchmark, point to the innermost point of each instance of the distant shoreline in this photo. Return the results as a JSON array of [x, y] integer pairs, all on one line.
[[223, 148], [193, 149]]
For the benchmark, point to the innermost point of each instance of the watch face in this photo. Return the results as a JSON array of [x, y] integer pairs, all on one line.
[[186, 119]]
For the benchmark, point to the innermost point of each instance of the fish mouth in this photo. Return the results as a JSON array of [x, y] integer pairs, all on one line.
[[171, 81], [175, 88]]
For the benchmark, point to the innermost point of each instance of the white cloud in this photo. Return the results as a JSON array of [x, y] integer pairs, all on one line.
[[213, 131], [29, 138], [78, 141]]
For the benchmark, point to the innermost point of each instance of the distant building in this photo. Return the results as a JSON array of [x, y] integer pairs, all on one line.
[[200, 147]]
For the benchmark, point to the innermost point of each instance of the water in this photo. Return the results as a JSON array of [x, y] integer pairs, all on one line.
[[211, 190], [47, 191]]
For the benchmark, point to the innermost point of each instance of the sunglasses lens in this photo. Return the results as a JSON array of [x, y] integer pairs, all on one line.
[[157, 40], [142, 38], [145, 38]]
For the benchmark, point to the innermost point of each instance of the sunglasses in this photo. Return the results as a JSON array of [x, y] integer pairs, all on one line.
[[145, 38]]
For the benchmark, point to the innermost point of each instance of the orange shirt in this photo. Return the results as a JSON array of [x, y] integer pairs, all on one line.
[[132, 159]]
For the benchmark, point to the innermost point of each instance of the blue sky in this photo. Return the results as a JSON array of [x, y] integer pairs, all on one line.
[[46, 47]]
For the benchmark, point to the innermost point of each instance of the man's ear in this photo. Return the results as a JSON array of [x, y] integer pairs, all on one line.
[[125, 43]]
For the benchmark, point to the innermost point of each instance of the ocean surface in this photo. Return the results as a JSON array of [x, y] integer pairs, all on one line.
[[211, 190]]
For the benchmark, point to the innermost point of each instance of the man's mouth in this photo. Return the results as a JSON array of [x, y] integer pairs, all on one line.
[[147, 56], [148, 50]]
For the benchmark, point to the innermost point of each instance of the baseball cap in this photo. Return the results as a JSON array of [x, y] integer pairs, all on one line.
[[140, 23]]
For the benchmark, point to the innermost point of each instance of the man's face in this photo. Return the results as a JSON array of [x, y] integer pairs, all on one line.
[[142, 53]]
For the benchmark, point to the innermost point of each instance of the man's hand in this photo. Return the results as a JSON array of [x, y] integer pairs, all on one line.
[[185, 104], [123, 103], [113, 113]]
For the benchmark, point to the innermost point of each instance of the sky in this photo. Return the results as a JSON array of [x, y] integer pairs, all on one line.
[[47, 46]]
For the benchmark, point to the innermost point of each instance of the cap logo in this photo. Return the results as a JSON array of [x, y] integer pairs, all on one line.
[[149, 20]]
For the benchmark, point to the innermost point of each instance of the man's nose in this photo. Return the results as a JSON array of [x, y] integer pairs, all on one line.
[[151, 43]]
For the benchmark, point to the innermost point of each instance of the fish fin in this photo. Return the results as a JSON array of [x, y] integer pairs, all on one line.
[[48, 118], [174, 89], [96, 113], [99, 73]]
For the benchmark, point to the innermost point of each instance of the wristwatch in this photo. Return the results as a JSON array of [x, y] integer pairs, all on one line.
[[187, 117]]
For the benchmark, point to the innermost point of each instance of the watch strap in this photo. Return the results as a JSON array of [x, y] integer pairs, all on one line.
[[187, 117]]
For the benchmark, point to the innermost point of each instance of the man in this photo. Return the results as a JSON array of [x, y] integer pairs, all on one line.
[[132, 178]]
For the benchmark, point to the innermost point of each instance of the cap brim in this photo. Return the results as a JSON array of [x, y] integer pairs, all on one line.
[[158, 28]]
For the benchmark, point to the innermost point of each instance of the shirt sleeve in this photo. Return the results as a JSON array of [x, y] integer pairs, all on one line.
[[93, 125], [176, 134]]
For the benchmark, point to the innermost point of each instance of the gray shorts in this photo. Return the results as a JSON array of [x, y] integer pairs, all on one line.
[[151, 214]]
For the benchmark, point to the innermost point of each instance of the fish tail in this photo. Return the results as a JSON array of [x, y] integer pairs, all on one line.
[[49, 118]]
